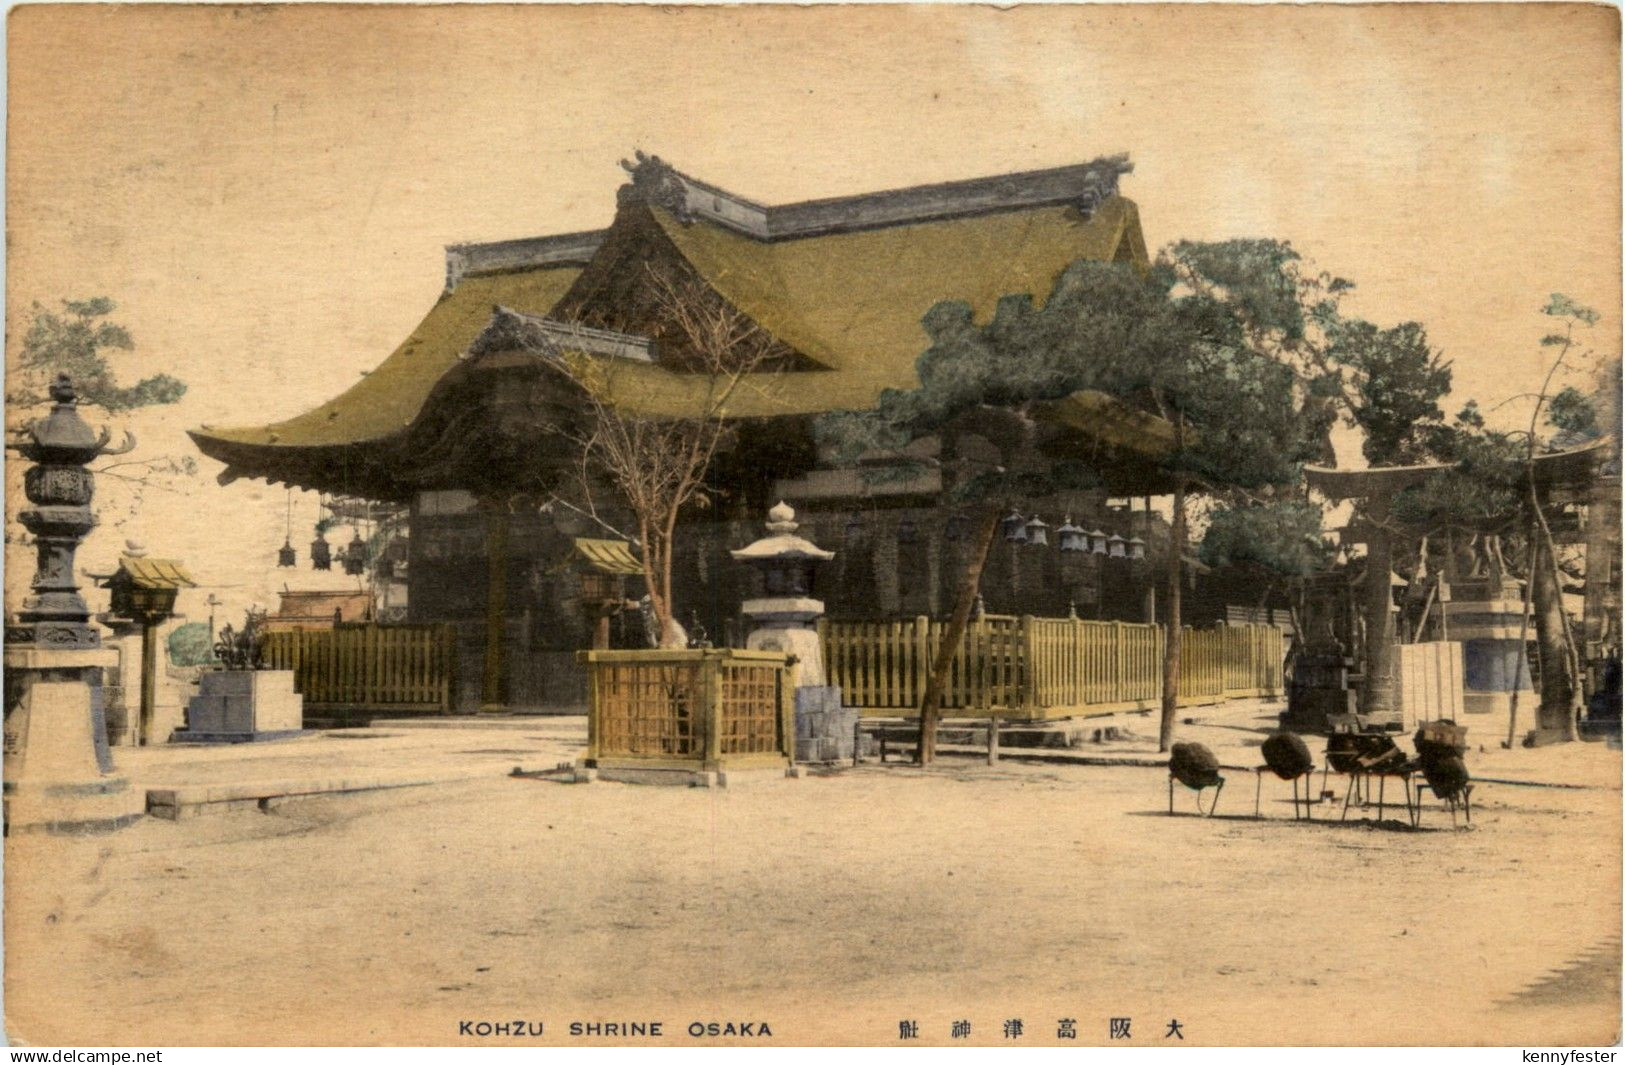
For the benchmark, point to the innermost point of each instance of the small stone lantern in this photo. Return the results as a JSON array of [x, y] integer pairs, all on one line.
[[785, 619]]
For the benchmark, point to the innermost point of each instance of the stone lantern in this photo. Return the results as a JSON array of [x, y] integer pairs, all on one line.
[[786, 620], [58, 768]]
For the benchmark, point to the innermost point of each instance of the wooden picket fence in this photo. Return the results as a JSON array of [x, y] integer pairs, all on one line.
[[373, 667], [1040, 668]]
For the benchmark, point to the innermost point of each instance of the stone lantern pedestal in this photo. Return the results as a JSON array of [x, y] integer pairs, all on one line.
[[58, 770], [786, 620]]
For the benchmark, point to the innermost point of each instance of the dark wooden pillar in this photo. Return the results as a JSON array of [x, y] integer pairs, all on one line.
[[1377, 691], [492, 695], [149, 681]]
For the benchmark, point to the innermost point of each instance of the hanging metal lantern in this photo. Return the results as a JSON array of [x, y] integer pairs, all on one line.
[[1071, 537], [1115, 546], [1038, 532], [1014, 527], [286, 556], [321, 553], [1098, 538], [1136, 547], [355, 556], [906, 532]]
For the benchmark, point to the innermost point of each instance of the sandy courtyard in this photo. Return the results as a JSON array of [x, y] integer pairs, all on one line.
[[831, 908]]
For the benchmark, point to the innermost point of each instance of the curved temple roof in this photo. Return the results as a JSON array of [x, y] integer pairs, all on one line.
[[844, 281]]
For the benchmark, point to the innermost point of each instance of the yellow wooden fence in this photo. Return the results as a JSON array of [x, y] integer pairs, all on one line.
[[1035, 668], [376, 667]]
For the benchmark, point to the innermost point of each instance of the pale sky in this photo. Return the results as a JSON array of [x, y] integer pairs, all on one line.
[[266, 191]]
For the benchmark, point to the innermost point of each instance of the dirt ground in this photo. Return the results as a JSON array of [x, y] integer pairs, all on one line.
[[832, 908]]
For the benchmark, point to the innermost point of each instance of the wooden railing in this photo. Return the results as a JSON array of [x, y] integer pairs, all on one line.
[[374, 667], [689, 709], [1046, 667]]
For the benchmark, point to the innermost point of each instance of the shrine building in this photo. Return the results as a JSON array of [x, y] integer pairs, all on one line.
[[455, 422]]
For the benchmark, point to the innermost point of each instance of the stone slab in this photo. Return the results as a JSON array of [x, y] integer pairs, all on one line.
[[680, 778], [175, 804], [187, 736], [59, 658]]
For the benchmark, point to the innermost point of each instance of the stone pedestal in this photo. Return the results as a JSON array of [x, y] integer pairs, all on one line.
[[1487, 617], [58, 771], [787, 625], [825, 730], [238, 706]]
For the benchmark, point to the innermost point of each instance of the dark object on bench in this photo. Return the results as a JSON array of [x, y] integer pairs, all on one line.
[[1440, 739], [1363, 752], [1440, 746], [1194, 766], [1447, 776], [1287, 755]]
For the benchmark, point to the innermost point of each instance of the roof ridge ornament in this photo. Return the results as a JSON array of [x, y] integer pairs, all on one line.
[[656, 183]]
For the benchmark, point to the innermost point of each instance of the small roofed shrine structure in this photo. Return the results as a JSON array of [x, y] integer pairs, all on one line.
[[1485, 611], [468, 420], [603, 568]]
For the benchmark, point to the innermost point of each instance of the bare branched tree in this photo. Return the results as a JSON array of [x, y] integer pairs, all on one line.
[[656, 463]]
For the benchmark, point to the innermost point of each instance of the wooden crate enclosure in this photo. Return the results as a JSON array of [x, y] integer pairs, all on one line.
[[699, 709]]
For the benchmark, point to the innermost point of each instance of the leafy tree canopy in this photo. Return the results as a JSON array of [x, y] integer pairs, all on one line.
[[75, 341], [1183, 355], [189, 645], [1283, 537]]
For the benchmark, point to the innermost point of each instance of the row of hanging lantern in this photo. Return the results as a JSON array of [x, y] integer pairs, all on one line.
[[353, 556], [1034, 532]]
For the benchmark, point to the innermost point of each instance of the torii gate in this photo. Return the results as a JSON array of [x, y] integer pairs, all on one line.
[[1489, 628]]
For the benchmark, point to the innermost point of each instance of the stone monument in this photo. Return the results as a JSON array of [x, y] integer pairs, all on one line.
[[58, 769], [787, 620], [243, 702]]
